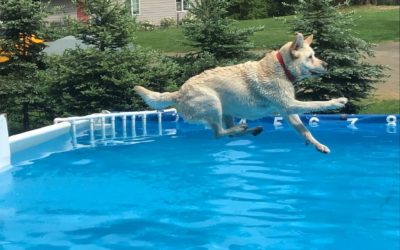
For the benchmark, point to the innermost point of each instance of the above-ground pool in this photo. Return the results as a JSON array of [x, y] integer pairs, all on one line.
[[179, 188]]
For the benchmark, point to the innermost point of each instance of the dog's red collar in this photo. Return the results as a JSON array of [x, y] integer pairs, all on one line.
[[282, 63]]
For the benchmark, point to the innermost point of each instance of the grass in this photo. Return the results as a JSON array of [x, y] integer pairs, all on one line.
[[381, 107], [166, 40], [377, 24], [373, 24]]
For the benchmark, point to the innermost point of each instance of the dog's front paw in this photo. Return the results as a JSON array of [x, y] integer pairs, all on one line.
[[322, 148], [342, 100], [339, 102]]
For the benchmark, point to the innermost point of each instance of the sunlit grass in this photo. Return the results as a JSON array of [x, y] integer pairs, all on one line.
[[374, 24], [381, 107]]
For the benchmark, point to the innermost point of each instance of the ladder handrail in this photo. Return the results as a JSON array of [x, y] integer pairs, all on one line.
[[116, 114]]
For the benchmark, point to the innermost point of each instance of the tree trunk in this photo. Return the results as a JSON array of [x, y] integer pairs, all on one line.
[[25, 116]]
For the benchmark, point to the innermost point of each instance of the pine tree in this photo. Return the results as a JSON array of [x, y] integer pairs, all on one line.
[[84, 81], [212, 31], [336, 43], [21, 22], [110, 26]]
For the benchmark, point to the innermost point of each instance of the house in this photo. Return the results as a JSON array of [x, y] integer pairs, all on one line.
[[67, 8], [144, 10]]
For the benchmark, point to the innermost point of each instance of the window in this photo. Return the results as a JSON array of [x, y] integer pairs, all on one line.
[[182, 5], [134, 6]]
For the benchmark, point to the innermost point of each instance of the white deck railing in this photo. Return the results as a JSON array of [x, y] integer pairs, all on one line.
[[100, 121]]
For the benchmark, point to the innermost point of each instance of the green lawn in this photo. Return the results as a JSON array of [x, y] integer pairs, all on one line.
[[374, 24], [381, 107], [167, 40], [377, 24]]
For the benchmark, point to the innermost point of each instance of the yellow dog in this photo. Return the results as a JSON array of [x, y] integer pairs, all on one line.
[[250, 90]]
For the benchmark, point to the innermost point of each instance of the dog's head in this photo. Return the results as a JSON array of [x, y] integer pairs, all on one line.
[[300, 59]]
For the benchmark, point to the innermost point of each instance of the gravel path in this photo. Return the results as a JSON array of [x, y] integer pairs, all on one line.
[[388, 54]]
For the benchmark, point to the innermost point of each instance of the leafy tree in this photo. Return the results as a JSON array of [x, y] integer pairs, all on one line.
[[248, 9], [280, 8], [211, 30], [375, 2], [21, 94], [349, 74], [364, 2]]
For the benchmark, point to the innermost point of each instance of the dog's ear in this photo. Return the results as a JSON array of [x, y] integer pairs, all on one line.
[[309, 40], [297, 44]]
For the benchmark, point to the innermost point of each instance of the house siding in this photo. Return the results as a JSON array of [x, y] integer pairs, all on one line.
[[149, 10], [66, 6], [156, 10]]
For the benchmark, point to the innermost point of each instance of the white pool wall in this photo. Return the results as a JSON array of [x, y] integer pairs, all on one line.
[[32, 138], [5, 153], [35, 137]]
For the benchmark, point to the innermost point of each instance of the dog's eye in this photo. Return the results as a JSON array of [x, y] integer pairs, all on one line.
[[310, 57]]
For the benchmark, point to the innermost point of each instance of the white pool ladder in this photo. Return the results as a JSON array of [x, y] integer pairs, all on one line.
[[99, 121]]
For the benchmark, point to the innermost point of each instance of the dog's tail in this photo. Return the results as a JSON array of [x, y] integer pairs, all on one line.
[[157, 100]]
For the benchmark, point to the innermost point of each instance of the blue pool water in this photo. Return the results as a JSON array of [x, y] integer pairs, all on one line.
[[186, 190]]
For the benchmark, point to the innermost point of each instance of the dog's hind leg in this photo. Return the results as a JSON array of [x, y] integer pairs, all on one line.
[[296, 122], [206, 107], [219, 131], [229, 123], [216, 122]]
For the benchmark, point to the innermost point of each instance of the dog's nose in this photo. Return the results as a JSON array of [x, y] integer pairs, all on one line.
[[324, 64]]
